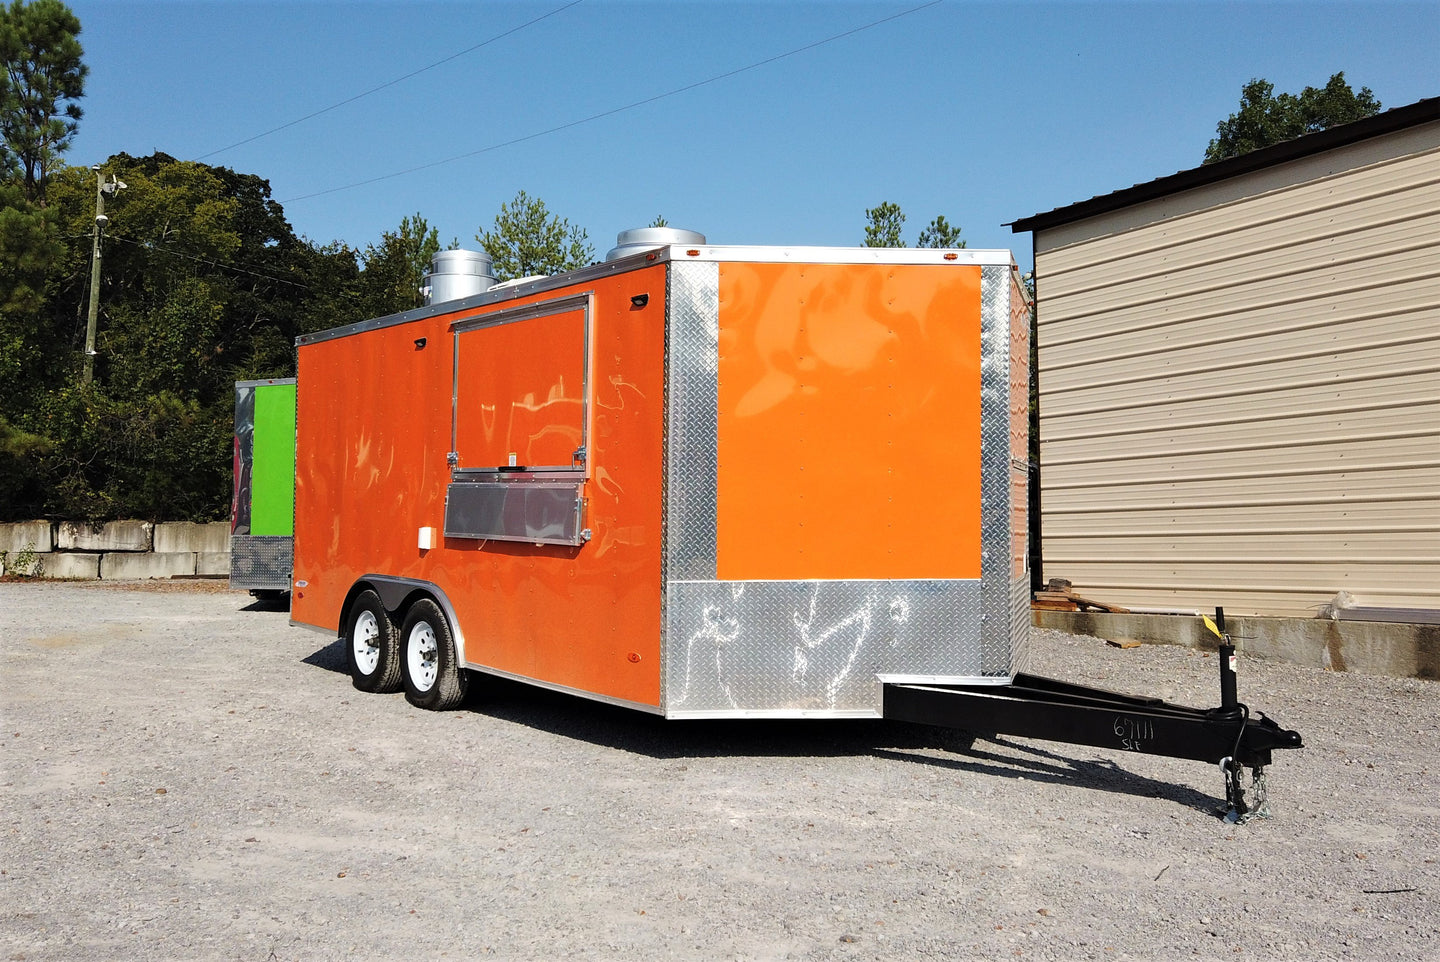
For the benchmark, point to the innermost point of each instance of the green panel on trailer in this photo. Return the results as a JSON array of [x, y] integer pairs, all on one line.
[[272, 498]]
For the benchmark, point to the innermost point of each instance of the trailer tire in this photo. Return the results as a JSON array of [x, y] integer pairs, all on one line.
[[433, 678], [372, 646]]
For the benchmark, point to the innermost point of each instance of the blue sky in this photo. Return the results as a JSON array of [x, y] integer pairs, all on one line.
[[981, 111]]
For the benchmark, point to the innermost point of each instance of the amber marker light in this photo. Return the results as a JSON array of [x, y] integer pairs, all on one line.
[[633, 657], [951, 256]]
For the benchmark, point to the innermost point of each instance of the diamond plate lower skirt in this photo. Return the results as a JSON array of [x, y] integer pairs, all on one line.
[[821, 648], [261, 561]]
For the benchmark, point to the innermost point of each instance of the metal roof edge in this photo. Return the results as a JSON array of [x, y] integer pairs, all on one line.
[[265, 382], [675, 254], [1398, 118]]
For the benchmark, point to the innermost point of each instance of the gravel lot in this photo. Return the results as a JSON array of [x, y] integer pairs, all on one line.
[[187, 777]]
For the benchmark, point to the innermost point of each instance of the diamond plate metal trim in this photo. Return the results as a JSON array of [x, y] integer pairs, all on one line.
[[692, 334], [997, 601], [814, 647], [261, 561]]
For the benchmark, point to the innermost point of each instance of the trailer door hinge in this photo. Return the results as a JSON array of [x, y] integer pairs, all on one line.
[[452, 458], [579, 455]]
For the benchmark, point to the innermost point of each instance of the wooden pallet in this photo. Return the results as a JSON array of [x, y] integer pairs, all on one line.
[[1057, 596]]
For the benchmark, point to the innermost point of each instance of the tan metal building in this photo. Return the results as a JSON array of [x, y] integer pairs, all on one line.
[[1239, 376]]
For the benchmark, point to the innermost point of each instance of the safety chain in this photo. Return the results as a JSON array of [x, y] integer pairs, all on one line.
[[1238, 812], [1260, 792]]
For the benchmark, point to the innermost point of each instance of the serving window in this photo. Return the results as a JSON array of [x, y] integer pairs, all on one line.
[[522, 388], [520, 424]]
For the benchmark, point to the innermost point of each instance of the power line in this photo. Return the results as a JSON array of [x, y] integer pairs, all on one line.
[[391, 83], [204, 260], [616, 110]]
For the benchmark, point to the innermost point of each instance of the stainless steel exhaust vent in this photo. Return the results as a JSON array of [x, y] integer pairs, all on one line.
[[457, 274], [647, 238]]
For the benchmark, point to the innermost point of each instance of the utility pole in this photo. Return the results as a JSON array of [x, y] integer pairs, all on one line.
[[102, 187]]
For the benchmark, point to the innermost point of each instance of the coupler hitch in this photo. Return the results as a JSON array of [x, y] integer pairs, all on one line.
[[1044, 708]]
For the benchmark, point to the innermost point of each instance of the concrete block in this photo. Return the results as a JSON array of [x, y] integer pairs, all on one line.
[[112, 536], [123, 566], [16, 537], [185, 536], [71, 564], [212, 562], [1394, 649]]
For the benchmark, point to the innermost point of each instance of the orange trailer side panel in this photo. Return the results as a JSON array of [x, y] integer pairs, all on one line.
[[849, 422], [371, 471], [370, 458]]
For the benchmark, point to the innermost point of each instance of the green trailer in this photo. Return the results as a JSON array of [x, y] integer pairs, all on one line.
[[262, 512]]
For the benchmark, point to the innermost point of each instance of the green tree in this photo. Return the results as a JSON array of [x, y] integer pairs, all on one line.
[[43, 79], [529, 240], [883, 225], [1266, 118], [392, 271], [203, 283], [21, 490], [29, 247], [940, 233]]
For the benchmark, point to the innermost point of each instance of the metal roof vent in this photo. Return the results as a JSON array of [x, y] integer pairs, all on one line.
[[456, 274], [639, 239]]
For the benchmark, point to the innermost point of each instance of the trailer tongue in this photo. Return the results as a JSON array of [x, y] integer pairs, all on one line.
[[1058, 711]]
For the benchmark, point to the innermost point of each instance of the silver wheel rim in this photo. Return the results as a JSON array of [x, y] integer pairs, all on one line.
[[423, 655], [363, 641]]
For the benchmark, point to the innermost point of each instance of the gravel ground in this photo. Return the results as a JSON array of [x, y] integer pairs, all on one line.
[[187, 777]]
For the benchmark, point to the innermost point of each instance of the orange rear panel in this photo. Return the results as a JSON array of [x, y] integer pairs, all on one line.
[[849, 422]]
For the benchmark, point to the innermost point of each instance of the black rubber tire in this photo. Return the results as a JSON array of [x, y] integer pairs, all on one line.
[[378, 639], [433, 677]]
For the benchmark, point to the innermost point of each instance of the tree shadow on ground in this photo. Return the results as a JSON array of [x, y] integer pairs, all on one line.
[[642, 733]]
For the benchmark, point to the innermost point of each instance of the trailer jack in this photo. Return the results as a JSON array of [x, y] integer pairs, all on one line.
[[1044, 708]]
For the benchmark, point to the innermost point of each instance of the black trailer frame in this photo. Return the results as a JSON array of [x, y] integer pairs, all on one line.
[[1059, 711]]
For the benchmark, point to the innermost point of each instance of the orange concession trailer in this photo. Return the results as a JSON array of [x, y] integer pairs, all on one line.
[[699, 481]]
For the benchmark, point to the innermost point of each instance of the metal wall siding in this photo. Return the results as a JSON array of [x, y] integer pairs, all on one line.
[[1349, 320], [1180, 303], [1319, 580], [1264, 428], [1396, 515], [1324, 242], [1170, 383], [1399, 178], [1239, 402], [1329, 491], [1396, 391]]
